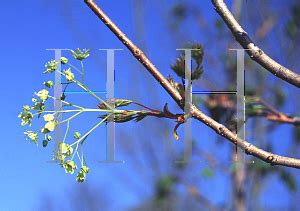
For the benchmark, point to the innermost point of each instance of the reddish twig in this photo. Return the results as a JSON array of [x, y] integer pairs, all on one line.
[[269, 112], [277, 116]]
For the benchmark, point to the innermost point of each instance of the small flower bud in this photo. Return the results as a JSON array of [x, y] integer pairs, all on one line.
[[63, 96], [26, 108], [63, 60], [49, 138], [49, 84], [77, 135], [45, 143]]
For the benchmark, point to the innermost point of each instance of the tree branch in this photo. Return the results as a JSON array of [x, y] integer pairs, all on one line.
[[254, 51], [196, 113], [137, 53]]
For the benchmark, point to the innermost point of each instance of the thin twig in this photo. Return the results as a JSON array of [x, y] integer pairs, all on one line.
[[254, 51], [196, 113], [283, 118], [269, 112], [277, 116]]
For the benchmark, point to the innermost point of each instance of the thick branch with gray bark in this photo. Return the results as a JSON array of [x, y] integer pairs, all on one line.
[[254, 51]]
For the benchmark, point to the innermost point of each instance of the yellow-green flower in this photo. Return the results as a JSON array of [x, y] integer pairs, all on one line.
[[81, 175], [69, 75], [26, 116], [50, 125], [50, 66], [32, 136], [26, 108], [69, 166], [65, 149], [43, 95], [48, 117]]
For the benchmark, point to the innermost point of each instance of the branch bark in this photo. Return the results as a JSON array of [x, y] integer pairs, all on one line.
[[254, 51], [271, 158]]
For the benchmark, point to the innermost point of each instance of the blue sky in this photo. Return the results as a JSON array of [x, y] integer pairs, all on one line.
[[31, 27]]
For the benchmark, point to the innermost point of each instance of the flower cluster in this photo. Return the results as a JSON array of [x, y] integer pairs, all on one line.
[[65, 153]]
